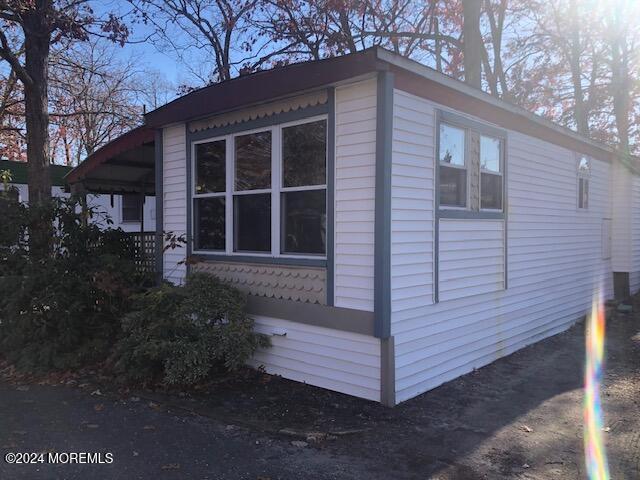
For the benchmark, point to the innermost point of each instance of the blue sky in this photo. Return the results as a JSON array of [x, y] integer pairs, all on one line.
[[145, 51]]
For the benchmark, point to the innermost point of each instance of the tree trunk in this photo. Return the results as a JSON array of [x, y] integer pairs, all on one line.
[[581, 114], [621, 98], [472, 43], [37, 43]]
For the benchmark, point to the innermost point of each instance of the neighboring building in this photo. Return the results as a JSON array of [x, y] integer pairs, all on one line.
[[395, 228], [123, 210]]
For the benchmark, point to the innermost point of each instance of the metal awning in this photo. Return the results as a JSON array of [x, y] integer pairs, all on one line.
[[124, 165]]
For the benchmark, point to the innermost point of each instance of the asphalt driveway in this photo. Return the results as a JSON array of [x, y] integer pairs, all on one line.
[[520, 417]]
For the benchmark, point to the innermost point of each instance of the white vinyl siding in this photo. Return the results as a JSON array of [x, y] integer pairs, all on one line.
[[471, 258], [340, 361], [355, 160], [412, 203], [622, 191], [174, 191], [554, 257], [634, 277]]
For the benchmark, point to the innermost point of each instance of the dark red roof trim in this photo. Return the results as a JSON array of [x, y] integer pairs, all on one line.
[[128, 141], [443, 95], [263, 86]]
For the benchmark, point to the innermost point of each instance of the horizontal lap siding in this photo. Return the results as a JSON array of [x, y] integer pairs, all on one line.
[[554, 261], [355, 161], [174, 152], [340, 361], [622, 227], [412, 203], [471, 258], [635, 236]]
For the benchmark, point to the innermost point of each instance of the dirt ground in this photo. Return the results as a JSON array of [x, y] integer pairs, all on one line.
[[520, 417]]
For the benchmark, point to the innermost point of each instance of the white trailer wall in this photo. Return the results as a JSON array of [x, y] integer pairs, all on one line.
[[554, 256]]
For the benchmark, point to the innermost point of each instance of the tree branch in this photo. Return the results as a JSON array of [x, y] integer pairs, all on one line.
[[16, 66]]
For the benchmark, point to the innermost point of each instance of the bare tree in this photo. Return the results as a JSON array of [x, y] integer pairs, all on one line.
[[220, 28], [93, 97], [621, 39], [40, 23]]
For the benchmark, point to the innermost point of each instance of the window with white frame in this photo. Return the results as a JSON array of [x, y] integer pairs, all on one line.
[[453, 166], [584, 174], [252, 193], [271, 185], [304, 188], [209, 201], [490, 173]]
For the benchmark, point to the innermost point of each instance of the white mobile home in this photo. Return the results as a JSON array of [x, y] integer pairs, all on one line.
[[394, 228]]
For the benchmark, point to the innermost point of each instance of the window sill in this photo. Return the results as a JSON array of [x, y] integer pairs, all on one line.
[[469, 214], [266, 259]]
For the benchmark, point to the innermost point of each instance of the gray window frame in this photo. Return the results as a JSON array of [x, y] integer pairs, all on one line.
[[469, 125]]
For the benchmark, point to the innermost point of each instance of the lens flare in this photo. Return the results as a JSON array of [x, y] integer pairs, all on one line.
[[594, 449]]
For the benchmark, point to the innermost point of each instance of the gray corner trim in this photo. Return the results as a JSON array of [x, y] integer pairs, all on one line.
[[267, 121], [470, 214], [436, 217], [336, 318], [331, 174], [222, 257], [505, 208], [159, 239], [189, 234], [387, 372], [464, 122], [382, 267]]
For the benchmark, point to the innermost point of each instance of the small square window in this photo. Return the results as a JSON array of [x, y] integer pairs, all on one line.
[[131, 208], [209, 223], [451, 145], [210, 167], [252, 222], [253, 161], [304, 221], [304, 154]]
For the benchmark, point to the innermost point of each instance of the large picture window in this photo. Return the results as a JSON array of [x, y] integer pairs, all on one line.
[[267, 196]]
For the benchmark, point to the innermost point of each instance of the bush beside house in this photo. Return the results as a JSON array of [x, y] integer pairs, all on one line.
[[86, 301], [181, 335], [62, 311]]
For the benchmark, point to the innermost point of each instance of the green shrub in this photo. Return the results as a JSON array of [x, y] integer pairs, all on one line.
[[63, 311], [181, 335]]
